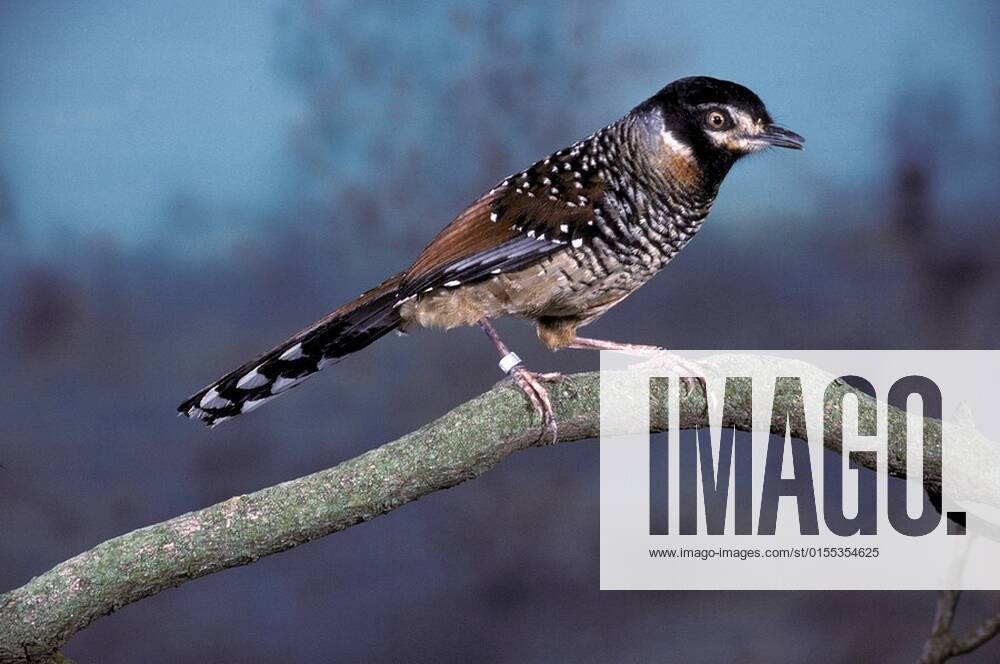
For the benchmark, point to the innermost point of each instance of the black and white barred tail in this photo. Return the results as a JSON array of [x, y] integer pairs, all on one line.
[[345, 331]]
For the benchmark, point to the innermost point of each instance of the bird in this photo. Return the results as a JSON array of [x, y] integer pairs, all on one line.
[[558, 244]]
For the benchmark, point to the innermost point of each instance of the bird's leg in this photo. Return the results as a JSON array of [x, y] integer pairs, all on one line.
[[528, 381], [601, 344], [685, 369]]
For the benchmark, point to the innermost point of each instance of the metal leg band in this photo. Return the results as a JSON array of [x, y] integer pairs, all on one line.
[[509, 362]]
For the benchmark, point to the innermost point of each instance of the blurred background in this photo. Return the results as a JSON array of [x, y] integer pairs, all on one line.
[[184, 184]]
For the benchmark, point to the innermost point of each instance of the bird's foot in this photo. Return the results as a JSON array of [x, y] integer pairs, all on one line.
[[603, 344], [561, 379], [692, 375], [687, 370], [530, 383]]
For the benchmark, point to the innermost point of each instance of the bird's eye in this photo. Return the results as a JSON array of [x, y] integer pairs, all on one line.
[[716, 119]]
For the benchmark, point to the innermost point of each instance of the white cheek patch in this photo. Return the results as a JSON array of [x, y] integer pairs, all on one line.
[[720, 139], [747, 145], [738, 143], [733, 141]]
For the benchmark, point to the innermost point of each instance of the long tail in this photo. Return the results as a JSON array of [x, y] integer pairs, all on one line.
[[347, 330]]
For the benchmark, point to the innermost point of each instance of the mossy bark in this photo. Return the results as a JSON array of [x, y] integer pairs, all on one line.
[[39, 617]]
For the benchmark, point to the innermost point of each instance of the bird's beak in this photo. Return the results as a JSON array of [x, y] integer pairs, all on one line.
[[779, 137]]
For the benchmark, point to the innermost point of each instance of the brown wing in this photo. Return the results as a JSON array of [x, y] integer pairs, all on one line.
[[530, 215]]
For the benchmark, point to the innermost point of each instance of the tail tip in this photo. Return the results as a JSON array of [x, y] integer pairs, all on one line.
[[191, 410]]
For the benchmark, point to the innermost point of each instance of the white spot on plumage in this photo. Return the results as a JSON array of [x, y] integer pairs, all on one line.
[[546, 181], [283, 383], [531, 233], [403, 301], [452, 283], [493, 216], [213, 400], [428, 289], [293, 353], [578, 242], [564, 228], [496, 271], [251, 380], [251, 405]]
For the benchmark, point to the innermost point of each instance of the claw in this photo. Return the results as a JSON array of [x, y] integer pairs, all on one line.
[[688, 373], [551, 377], [528, 382], [573, 389], [692, 384], [531, 384]]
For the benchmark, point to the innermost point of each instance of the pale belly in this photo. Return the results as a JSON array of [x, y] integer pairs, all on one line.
[[561, 286]]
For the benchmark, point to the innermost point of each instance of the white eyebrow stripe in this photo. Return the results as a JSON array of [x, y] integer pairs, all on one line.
[[742, 119]]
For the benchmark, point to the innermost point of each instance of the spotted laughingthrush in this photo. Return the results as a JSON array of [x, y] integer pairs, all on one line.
[[558, 243]]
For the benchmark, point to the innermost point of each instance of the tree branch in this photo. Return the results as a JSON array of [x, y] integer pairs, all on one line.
[[42, 615], [943, 644]]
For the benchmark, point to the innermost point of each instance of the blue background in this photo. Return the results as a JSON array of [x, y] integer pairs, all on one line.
[[183, 184]]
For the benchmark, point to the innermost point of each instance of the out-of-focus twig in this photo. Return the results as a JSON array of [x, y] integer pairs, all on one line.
[[943, 644]]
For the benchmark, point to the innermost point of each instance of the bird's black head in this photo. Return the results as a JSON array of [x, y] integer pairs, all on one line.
[[714, 123]]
